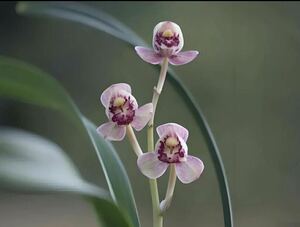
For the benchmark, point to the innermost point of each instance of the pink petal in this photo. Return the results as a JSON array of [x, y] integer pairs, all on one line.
[[189, 170], [112, 131], [183, 57], [149, 55], [171, 128], [108, 92], [151, 166], [142, 116]]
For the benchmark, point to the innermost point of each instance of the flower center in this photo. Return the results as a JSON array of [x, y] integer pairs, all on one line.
[[121, 110], [170, 150], [172, 142], [167, 33], [119, 102]]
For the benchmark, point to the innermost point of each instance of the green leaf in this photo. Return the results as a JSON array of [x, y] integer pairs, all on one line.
[[82, 14], [23, 82], [86, 15], [29, 162], [108, 160], [26, 83]]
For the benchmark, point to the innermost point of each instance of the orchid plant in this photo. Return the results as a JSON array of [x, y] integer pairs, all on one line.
[[47, 168], [123, 113]]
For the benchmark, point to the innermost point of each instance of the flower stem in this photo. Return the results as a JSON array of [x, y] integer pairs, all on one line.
[[158, 88], [157, 217], [133, 141], [170, 190]]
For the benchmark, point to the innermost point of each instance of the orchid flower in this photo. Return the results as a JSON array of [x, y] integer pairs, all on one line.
[[122, 109], [167, 43], [171, 149]]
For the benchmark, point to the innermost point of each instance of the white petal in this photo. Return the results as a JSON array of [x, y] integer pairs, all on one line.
[[151, 166], [112, 131], [108, 92], [171, 128], [189, 170], [142, 116], [183, 57], [148, 55], [184, 146]]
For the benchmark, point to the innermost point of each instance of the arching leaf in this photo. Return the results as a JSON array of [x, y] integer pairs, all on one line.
[[30, 163], [26, 83]]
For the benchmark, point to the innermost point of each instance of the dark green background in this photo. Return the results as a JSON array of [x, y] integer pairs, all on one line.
[[246, 80]]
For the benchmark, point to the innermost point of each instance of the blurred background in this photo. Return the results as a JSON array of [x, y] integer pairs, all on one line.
[[246, 81]]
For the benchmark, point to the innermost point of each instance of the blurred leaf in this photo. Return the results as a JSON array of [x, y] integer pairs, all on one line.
[[82, 14], [29, 84], [86, 15], [108, 161], [29, 162], [23, 82]]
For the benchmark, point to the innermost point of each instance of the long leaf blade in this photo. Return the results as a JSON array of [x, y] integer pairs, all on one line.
[[212, 146], [29, 162], [82, 14], [110, 158], [26, 83], [121, 31]]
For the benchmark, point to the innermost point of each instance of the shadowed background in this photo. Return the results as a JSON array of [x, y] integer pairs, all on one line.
[[245, 80]]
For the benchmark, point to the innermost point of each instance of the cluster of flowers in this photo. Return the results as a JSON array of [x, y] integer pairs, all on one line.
[[122, 111]]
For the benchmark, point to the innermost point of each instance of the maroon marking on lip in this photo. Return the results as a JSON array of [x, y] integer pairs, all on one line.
[[122, 115], [169, 42], [176, 156]]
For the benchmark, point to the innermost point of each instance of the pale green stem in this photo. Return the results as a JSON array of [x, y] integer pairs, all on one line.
[[157, 217], [164, 205], [133, 141], [158, 88]]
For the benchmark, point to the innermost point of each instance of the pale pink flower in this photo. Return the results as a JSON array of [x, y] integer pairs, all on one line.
[[167, 42], [122, 109], [170, 149]]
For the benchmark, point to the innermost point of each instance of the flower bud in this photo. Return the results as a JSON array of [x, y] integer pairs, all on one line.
[[167, 43], [167, 38]]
